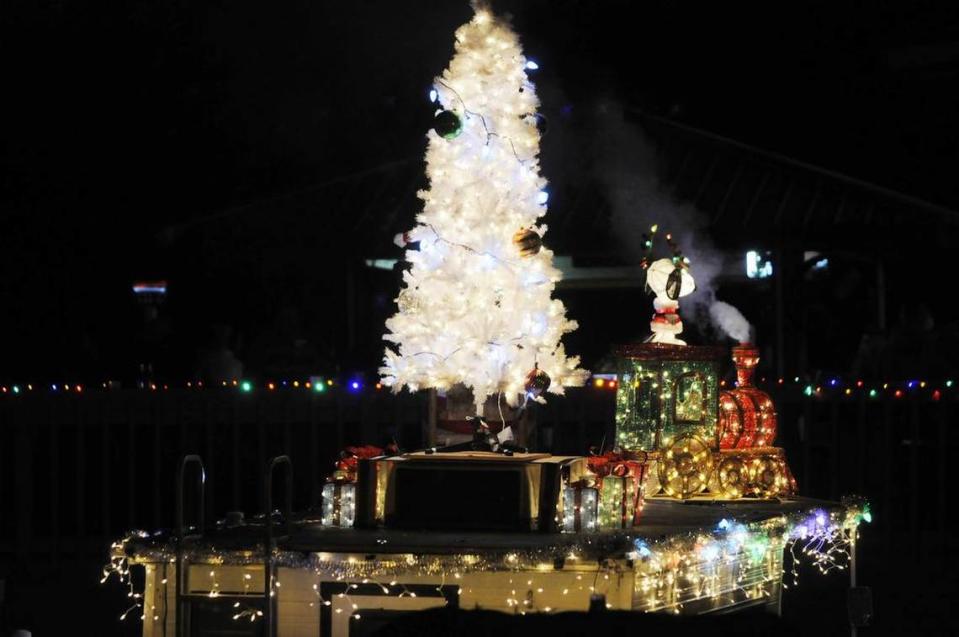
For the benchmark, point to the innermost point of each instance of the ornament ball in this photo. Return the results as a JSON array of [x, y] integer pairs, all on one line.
[[537, 381], [447, 124], [528, 241]]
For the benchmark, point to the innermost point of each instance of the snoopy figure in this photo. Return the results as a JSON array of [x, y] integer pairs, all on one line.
[[669, 280]]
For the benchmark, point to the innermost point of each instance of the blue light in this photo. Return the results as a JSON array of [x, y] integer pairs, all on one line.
[[53, 387], [542, 197], [149, 287], [911, 384], [642, 548], [758, 266], [709, 553], [355, 385], [434, 95], [723, 524], [531, 65], [833, 382]]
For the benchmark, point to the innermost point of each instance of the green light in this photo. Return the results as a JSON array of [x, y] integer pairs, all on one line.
[[246, 386], [948, 383], [319, 387], [16, 389], [867, 515], [872, 393], [808, 390]]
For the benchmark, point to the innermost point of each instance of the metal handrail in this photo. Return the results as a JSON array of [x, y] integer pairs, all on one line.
[[269, 565], [180, 578], [201, 489], [268, 496]]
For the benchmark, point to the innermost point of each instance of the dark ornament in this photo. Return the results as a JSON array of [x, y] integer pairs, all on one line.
[[537, 381], [528, 242], [542, 124], [447, 124], [537, 119]]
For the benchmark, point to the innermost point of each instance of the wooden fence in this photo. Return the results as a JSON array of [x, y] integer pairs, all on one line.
[[79, 470]]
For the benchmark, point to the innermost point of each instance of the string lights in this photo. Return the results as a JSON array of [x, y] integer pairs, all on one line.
[[934, 390], [476, 308], [686, 572]]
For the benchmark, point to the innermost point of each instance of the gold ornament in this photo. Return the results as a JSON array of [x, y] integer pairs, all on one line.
[[528, 242], [407, 301]]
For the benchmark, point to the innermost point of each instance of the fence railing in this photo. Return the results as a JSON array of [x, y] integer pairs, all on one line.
[[78, 470]]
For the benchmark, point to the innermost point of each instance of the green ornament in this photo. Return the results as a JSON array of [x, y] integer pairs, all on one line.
[[447, 124]]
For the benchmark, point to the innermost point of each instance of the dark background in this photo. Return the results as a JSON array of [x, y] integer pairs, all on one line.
[[252, 155]]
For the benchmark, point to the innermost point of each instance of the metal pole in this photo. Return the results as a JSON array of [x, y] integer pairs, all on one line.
[[779, 273], [880, 295], [853, 629], [430, 433]]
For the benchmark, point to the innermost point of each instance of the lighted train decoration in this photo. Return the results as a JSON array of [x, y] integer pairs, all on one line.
[[701, 441]]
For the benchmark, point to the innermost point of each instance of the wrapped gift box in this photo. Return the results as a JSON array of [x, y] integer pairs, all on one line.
[[339, 504], [580, 508]]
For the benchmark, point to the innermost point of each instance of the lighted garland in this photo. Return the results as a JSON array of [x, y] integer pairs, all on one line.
[[670, 573]]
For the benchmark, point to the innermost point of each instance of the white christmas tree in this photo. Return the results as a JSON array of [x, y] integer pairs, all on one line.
[[476, 305]]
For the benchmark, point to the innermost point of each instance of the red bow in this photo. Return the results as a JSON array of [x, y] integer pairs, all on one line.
[[349, 459]]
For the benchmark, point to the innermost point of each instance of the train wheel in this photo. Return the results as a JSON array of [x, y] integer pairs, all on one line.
[[685, 467], [732, 476], [766, 477]]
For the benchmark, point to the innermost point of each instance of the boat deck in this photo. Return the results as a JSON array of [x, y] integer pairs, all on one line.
[[661, 519]]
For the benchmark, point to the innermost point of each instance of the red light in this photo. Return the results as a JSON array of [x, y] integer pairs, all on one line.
[[722, 383], [612, 384], [936, 395], [858, 383], [307, 384], [270, 386], [898, 393], [781, 381], [379, 385]]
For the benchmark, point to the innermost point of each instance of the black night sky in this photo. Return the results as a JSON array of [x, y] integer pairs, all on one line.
[[135, 132]]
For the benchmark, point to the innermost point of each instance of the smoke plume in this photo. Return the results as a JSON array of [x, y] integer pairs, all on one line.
[[626, 165], [731, 321]]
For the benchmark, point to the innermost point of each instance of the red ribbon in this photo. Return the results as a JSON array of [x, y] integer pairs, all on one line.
[[620, 465], [349, 459]]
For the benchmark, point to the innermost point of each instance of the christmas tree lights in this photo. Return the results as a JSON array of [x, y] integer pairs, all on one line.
[[476, 305]]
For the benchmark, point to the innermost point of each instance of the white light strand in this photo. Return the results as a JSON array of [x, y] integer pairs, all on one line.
[[473, 310]]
